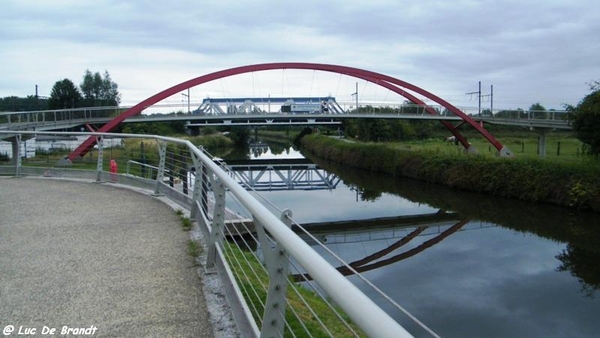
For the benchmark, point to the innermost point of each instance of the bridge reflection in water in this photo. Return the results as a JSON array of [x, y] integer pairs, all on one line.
[[390, 234], [282, 174], [301, 174]]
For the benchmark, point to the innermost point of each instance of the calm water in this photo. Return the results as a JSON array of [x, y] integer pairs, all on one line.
[[498, 268]]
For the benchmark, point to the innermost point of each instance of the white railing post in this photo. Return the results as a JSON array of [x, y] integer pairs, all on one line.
[[198, 185], [99, 142], [17, 154], [160, 174], [278, 267], [218, 222]]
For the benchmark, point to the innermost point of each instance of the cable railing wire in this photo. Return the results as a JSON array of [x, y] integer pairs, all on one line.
[[366, 281], [332, 308], [295, 290], [247, 278]]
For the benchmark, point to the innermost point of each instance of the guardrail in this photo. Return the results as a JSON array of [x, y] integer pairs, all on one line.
[[257, 264]]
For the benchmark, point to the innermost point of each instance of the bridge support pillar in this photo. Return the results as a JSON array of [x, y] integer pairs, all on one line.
[[542, 141], [471, 150], [505, 152]]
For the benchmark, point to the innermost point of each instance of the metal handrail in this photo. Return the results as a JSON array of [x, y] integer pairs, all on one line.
[[373, 320]]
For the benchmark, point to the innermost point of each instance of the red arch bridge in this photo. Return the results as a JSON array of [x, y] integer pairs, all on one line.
[[405, 89]]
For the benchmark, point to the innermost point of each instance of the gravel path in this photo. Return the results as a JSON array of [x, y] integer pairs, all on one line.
[[81, 256]]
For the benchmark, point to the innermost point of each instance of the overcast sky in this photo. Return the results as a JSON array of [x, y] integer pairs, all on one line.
[[532, 51]]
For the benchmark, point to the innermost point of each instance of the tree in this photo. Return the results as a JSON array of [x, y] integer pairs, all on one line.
[[538, 111], [98, 90], [586, 119], [64, 94]]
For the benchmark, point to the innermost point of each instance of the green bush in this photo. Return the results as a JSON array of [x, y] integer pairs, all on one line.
[[574, 185]]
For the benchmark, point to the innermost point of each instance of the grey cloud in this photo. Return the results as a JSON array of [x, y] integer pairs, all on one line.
[[439, 45]]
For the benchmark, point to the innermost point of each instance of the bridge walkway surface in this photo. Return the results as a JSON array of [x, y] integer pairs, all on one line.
[[88, 255]]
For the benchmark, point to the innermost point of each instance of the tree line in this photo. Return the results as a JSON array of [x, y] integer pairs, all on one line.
[[29, 103], [95, 90]]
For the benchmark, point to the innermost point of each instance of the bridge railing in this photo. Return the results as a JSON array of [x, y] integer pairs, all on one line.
[[248, 243], [57, 116], [23, 120]]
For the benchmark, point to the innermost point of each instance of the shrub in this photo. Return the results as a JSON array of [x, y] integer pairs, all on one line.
[[568, 184]]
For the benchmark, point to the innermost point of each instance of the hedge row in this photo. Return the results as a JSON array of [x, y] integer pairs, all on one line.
[[575, 185]]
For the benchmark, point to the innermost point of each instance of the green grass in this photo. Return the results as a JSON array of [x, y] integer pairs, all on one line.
[[194, 249], [186, 224], [560, 147], [256, 299]]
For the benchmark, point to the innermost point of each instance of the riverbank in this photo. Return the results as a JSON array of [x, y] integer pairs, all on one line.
[[574, 185]]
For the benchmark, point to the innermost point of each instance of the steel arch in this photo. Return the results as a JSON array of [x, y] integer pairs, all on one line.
[[385, 81]]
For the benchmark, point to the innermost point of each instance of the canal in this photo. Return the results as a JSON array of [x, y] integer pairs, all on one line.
[[465, 264]]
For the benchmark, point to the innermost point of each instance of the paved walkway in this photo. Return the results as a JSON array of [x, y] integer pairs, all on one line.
[[87, 255]]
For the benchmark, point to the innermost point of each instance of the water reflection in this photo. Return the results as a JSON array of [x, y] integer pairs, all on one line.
[[281, 174], [526, 270], [583, 264], [580, 230], [378, 260]]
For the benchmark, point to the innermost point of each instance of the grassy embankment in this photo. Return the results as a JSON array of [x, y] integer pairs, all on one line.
[[573, 184]]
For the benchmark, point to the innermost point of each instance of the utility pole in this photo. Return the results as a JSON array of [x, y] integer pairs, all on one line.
[[478, 98], [491, 96], [479, 107], [356, 93], [492, 99], [188, 99]]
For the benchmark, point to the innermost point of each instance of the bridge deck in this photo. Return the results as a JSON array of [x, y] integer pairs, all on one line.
[[84, 254]]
